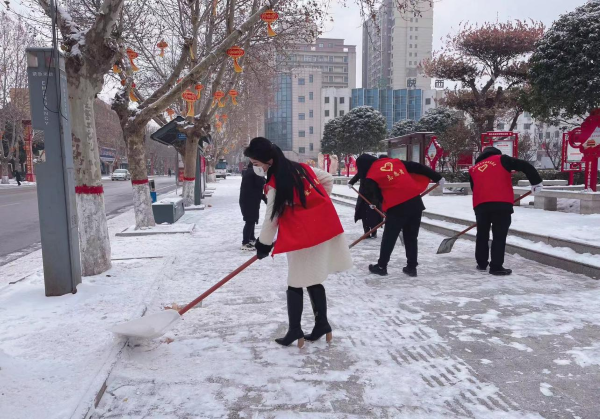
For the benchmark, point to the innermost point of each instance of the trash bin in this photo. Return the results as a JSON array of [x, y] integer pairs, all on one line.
[[152, 190]]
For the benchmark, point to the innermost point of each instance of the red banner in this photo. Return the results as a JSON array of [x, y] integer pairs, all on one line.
[[28, 137]]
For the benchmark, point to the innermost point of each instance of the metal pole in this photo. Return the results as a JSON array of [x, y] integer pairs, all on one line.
[[176, 170]]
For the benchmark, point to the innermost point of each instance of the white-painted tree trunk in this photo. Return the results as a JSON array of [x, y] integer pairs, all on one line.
[[94, 240], [136, 156], [4, 172], [188, 192], [142, 206]]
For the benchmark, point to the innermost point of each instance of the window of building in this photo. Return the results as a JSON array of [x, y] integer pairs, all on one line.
[[428, 101], [345, 69], [547, 135], [301, 116], [411, 19], [330, 78], [311, 130], [555, 134], [301, 99], [301, 82], [345, 59], [341, 113], [500, 126], [415, 54], [302, 134], [410, 54], [326, 99], [310, 78], [330, 58], [527, 115], [345, 79], [311, 146], [307, 58], [411, 28], [320, 45], [310, 96], [410, 45], [302, 150], [416, 20], [416, 38], [330, 45], [411, 37], [527, 126], [342, 99], [417, 29], [311, 113], [326, 113]]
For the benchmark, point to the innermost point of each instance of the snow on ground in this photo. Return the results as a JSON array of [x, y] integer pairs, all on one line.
[[13, 183], [570, 226], [452, 343]]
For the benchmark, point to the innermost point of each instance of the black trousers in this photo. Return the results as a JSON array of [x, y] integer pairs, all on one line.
[[409, 226], [248, 232], [499, 221]]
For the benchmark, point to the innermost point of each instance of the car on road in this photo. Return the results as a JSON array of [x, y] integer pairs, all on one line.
[[120, 174]]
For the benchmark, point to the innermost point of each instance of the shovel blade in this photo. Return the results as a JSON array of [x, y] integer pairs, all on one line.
[[446, 245], [148, 327]]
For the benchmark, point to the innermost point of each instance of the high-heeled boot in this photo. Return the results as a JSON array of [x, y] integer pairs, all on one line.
[[294, 306], [318, 301]]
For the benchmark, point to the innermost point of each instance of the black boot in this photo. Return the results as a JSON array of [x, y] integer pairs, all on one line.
[[412, 272], [379, 270], [294, 306], [318, 300], [500, 272]]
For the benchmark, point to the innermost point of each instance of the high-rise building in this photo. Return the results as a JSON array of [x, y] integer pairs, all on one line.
[[295, 119], [394, 45], [395, 105]]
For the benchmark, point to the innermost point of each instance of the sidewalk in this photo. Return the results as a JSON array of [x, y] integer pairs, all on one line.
[[453, 343]]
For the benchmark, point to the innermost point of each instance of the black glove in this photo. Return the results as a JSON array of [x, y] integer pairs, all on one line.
[[262, 250]]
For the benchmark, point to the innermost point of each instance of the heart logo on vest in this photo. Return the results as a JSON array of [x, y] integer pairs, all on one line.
[[482, 167], [388, 167]]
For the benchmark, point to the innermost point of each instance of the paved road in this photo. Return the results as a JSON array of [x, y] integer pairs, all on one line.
[[19, 223]]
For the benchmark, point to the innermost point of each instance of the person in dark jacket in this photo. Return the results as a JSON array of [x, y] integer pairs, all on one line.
[[493, 197], [251, 193], [18, 177], [370, 217], [396, 185]]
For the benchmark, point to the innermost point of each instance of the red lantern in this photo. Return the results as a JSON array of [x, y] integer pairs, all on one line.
[[170, 112], [162, 45], [131, 54], [190, 98], [217, 99], [132, 94], [233, 94], [224, 118], [116, 69], [199, 88], [236, 53], [270, 16]]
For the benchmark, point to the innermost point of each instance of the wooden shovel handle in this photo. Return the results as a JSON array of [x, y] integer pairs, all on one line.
[[475, 225], [217, 285], [367, 234]]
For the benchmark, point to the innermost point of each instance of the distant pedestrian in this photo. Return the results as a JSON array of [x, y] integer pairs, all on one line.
[[18, 177], [493, 197], [169, 172], [251, 193]]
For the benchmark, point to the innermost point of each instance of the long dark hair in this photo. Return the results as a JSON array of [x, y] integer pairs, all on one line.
[[288, 174]]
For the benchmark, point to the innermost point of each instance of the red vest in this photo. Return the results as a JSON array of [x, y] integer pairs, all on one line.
[[301, 228], [491, 182], [396, 184]]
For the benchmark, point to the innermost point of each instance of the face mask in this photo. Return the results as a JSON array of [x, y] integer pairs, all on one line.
[[259, 171]]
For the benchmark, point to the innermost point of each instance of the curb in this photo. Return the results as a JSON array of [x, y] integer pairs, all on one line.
[[98, 384], [543, 258]]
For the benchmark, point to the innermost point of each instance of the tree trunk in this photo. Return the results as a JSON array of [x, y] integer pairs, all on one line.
[[189, 170], [136, 155], [210, 170], [4, 171], [93, 229]]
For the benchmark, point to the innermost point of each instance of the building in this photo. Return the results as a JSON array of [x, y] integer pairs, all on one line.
[[395, 105], [334, 102], [394, 45], [295, 119]]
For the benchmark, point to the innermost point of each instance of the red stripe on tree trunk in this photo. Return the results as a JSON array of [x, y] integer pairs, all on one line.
[[139, 182], [189, 179], [89, 190]]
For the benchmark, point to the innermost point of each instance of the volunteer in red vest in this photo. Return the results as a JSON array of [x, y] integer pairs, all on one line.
[[308, 230], [397, 185], [493, 199]]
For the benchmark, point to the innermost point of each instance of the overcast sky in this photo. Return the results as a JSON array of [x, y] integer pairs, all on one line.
[[448, 14]]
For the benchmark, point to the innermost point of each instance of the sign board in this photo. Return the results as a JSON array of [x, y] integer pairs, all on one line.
[[434, 153], [505, 141], [588, 142]]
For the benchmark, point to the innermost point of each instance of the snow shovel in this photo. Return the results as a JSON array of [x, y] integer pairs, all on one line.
[[447, 244], [157, 324]]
